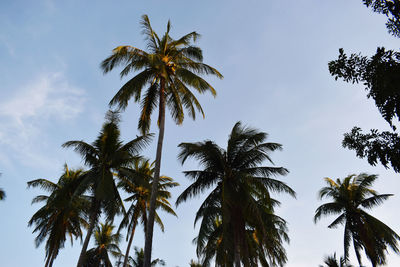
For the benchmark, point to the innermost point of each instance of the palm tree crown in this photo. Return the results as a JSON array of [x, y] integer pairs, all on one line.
[[106, 242], [2, 194], [238, 222], [138, 260], [351, 196], [104, 157], [63, 214], [138, 185], [167, 71], [331, 261]]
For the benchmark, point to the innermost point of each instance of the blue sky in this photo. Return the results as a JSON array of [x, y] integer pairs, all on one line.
[[273, 55]]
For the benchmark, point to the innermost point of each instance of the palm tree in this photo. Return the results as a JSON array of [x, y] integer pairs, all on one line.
[[194, 263], [63, 213], [138, 184], [105, 157], [350, 199], [238, 222], [167, 70], [138, 261], [2, 194], [214, 241], [331, 261], [106, 242]]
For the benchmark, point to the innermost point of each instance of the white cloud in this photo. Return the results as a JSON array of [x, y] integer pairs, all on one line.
[[25, 117], [49, 95]]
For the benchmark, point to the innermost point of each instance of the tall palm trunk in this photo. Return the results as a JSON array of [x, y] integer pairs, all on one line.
[[237, 254], [236, 240], [150, 223], [129, 244], [92, 222], [49, 261]]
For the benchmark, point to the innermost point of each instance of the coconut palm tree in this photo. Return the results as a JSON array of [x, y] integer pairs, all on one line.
[[138, 184], [331, 261], [167, 70], [105, 157], [2, 193], [63, 213], [214, 241], [138, 260], [194, 263], [237, 218], [106, 242], [351, 197]]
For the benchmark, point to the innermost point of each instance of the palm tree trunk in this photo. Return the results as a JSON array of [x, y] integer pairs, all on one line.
[[236, 245], [48, 264], [150, 223], [237, 255], [129, 245], [92, 222]]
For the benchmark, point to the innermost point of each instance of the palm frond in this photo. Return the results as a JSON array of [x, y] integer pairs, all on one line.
[[123, 55], [328, 209], [375, 200], [148, 104], [133, 88]]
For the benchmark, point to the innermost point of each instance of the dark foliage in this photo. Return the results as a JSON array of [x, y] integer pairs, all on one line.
[[238, 222], [389, 8], [351, 198], [380, 75], [376, 146], [331, 261]]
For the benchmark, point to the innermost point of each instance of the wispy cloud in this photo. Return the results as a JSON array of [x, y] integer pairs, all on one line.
[[26, 117]]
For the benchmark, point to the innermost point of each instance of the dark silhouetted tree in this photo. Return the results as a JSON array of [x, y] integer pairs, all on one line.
[[64, 212], [138, 260], [351, 197], [390, 8], [105, 157], [331, 261], [380, 75], [238, 224], [138, 185], [106, 242]]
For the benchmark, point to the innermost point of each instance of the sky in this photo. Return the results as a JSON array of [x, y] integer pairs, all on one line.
[[273, 55]]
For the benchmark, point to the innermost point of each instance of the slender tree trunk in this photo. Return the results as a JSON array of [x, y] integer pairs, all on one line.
[[237, 254], [236, 241], [129, 244], [154, 189], [92, 222], [48, 264], [51, 262]]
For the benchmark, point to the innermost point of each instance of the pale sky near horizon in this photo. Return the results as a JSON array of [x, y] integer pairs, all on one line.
[[273, 55]]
